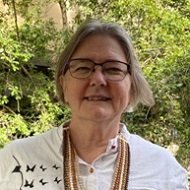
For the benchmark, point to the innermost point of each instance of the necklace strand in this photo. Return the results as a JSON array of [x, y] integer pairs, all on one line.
[[71, 172]]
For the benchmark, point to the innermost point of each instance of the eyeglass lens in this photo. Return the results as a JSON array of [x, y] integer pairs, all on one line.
[[83, 68]]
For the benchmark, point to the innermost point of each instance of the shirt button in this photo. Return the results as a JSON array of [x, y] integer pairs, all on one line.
[[91, 170]]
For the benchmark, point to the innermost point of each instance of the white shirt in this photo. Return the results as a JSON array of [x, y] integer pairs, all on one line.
[[37, 163], [99, 175]]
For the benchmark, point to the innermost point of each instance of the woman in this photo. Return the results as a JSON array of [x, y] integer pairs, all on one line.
[[98, 77]]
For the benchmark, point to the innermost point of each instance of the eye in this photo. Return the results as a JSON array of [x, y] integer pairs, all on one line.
[[80, 66], [113, 70], [80, 69]]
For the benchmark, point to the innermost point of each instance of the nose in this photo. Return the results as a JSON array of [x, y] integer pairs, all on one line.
[[98, 78]]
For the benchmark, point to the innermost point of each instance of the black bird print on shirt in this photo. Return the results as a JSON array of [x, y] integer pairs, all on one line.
[[57, 180], [30, 169], [43, 168], [27, 175], [42, 182], [55, 167], [27, 184]]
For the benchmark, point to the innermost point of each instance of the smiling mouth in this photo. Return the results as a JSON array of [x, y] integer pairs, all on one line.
[[97, 98]]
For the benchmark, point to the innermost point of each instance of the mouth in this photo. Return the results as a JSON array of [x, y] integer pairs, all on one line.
[[97, 98]]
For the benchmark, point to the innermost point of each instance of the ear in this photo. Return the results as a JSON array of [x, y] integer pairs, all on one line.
[[130, 107], [62, 81]]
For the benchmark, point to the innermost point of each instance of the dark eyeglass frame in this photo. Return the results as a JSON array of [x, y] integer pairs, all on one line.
[[96, 64]]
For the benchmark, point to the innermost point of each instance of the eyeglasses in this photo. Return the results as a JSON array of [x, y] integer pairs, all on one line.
[[113, 70]]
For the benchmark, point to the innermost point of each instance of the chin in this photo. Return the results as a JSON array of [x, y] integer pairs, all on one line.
[[99, 115]]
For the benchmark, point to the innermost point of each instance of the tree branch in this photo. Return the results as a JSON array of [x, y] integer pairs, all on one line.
[[16, 21], [62, 5]]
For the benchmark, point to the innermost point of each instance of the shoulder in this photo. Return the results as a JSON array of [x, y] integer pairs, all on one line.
[[31, 148], [151, 152], [142, 149], [154, 165], [49, 138]]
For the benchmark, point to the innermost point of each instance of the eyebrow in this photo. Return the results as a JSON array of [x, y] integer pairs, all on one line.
[[107, 60]]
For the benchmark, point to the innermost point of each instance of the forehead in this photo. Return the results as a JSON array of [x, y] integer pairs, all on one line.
[[100, 48]]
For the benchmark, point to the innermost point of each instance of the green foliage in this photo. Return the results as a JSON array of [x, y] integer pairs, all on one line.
[[27, 93], [160, 31]]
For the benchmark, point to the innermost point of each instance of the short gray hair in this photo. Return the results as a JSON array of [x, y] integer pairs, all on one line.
[[140, 89]]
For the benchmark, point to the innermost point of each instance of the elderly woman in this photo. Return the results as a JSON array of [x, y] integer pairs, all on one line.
[[98, 77]]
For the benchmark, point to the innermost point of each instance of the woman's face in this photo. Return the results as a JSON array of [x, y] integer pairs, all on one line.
[[96, 98]]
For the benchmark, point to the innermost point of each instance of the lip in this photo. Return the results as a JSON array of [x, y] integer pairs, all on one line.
[[97, 98]]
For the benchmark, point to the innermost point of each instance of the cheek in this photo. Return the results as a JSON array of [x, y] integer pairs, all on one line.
[[73, 90]]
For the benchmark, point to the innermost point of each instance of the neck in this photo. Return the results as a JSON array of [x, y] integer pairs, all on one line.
[[90, 139]]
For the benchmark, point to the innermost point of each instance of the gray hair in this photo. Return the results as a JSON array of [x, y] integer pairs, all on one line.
[[140, 89]]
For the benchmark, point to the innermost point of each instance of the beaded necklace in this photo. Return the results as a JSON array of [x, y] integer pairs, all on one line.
[[71, 175]]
